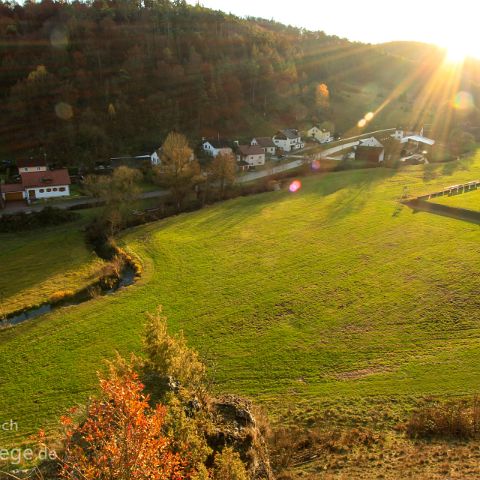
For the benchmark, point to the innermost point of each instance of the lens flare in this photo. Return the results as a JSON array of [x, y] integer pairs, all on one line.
[[64, 111], [362, 123], [295, 186], [59, 38], [463, 101], [369, 116], [316, 165]]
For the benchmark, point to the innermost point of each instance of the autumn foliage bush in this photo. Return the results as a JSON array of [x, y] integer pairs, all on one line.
[[122, 437]]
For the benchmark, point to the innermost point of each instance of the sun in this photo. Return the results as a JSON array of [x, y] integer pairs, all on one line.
[[455, 54]]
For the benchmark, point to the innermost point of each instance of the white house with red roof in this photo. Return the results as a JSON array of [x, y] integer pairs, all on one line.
[[37, 182]]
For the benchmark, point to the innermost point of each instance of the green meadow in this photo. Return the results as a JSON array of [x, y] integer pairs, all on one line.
[[335, 294], [36, 264], [469, 200]]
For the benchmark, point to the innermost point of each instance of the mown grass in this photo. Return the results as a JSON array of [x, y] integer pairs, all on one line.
[[335, 295], [469, 200], [36, 264]]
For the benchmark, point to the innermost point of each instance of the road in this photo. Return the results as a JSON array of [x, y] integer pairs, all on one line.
[[250, 176], [16, 207]]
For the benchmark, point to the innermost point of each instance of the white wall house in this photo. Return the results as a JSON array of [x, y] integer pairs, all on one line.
[[31, 165], [319, 134], [38, 184], [254, 155], [155, 158], [288, 140], [215, 147], [46, 184], [266, 143]]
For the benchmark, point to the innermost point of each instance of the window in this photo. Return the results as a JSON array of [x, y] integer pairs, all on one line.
[[54, 189], [38, 169], [49, 189], [62, 189], [41, 190]]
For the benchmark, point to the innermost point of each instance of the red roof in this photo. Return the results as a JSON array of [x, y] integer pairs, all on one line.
[[32, 162], [45, 179], [11, 187]]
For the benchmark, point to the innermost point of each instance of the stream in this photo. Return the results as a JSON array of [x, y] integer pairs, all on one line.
[[127, 277]]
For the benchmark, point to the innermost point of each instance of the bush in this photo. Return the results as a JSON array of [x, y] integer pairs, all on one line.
[[61, 295], [449, 420], [47, 217], [229, 466]]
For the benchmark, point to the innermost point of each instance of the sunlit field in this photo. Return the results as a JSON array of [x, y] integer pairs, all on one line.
[[334, 294], [468, 200]]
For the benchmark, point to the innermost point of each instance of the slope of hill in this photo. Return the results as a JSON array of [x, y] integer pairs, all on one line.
[[85, 81]]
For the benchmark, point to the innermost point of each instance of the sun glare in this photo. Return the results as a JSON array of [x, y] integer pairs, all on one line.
[[455, 54]]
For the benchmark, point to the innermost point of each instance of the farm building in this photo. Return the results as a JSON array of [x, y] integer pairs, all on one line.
[[37, 182], [319, 134], [254, 155], [288, 139], [266, 143], [370, 150], [215, 147]]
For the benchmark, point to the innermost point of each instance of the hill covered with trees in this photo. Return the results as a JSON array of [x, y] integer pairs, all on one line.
[[83, 81]]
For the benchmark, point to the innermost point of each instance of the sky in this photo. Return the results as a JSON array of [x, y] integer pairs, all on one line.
[[447, 23]]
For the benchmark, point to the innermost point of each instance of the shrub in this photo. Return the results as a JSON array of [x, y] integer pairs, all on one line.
[[458, 419], [121, 437], [229, 466], [49, 216], [61, 295], [170, 359]]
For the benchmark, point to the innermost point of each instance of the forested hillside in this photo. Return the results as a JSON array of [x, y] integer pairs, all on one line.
[[82, 81]]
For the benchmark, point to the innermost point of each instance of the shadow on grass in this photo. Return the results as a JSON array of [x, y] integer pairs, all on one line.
[[356, 192], [464, 164], [469, 216]]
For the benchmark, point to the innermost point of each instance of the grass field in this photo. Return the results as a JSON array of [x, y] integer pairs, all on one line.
[[469, 200], [333, 296], [35, 264]]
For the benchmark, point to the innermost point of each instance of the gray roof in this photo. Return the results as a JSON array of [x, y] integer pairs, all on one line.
[[288, 133], [218, 143], [265, 142]]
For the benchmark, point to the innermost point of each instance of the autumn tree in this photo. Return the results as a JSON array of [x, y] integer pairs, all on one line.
[[178, 171], [222, 169], [121, 438], [117, 192]]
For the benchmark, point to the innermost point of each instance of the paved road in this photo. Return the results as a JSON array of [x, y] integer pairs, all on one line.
[[15, 207], [250, 176]]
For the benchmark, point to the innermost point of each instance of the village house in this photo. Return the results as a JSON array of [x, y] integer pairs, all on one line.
[[266, 143], [37, 182], [215, 147], [288, 139], [370, 150], [137, 161], [417, 141], [319, 134], [253, 155]]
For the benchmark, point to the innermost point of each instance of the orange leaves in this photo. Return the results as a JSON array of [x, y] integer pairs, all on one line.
[[121, 437]]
